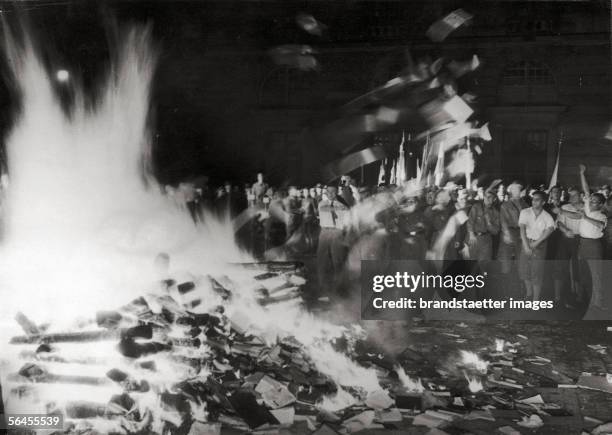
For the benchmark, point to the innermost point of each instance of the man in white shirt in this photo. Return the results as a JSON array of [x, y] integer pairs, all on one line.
[[593, 223], [536, 225]]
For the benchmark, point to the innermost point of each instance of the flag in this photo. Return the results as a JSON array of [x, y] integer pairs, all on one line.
[[442, 111], [468, 174], [439, 171], [439, 30], [401, 163], [425, 159], [553, 178], [353, 161]]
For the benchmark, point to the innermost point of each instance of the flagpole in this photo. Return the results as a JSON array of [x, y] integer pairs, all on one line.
[[555, 174], [468, 175]]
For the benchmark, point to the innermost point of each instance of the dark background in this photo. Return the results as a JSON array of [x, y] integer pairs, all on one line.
[[223, 108]]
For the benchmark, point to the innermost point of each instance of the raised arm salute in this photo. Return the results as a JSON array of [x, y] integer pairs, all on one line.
[[591, 229]]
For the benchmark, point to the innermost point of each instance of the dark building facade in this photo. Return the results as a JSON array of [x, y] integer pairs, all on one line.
[[544, 79], [222, 107]]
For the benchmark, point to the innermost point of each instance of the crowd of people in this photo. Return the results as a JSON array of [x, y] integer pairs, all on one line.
[[532, 231], [560, 233]]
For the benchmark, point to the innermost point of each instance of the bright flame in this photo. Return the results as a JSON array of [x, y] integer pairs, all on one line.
[[82, 225], [341, 369], [473, 360], [85, 220], [407, 382], [474, 384], [341, 400]]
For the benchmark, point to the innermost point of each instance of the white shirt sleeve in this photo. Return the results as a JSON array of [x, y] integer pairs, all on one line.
[[461, 217], [599, 216]]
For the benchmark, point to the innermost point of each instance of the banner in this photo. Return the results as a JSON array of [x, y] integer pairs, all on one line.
[[353, 161]]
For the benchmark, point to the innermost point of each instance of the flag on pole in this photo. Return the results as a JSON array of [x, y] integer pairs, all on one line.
[[553, 178], [468, 174], [439, 171], [382, 173], [401, 163], [425, 159]]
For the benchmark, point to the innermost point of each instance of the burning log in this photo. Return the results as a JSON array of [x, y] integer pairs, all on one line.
[[68, 337], [37, 374], [273, 266], [56, 358], [84, 409]]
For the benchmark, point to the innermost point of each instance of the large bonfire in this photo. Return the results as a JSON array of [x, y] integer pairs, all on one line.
[[112, 341]]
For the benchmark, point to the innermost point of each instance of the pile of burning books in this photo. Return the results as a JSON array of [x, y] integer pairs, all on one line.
[[161, 365]]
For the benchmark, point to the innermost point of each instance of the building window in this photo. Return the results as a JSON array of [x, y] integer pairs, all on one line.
[[536, 140], [527, 73]]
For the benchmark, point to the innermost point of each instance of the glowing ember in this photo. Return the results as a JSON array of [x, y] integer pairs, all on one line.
[[407, 382], [470, 359], [499, 345]]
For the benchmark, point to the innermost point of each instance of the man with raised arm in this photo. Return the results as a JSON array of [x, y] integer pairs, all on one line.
[[566, 254], [593, 223]]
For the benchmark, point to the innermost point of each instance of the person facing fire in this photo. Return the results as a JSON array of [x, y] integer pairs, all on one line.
[[593, 223], [483, 224], [331, 251], [438, 214], [412, 229], [309, 217], [293, 208], [347, 190], [536, 225], [510, 243], [258, 189]]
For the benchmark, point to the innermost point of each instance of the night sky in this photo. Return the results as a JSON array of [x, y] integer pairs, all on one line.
[[213, 54]]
